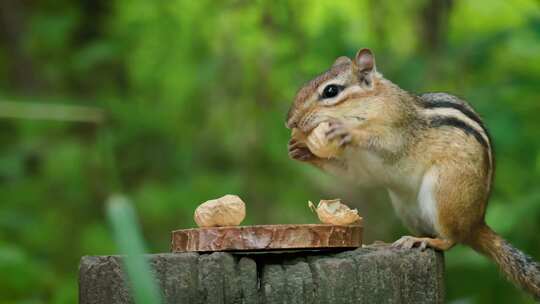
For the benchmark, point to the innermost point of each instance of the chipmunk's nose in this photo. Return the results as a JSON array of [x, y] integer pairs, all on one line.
[[290, 122]]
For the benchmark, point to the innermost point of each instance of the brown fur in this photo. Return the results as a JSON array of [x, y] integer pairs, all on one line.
[[396, 129], [307, 90], [518, 267]]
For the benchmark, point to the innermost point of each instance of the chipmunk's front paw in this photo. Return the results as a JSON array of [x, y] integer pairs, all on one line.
[[299, 151], [338, 132]]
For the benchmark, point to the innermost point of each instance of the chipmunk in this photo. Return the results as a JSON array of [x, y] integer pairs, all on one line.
[[431, 152]]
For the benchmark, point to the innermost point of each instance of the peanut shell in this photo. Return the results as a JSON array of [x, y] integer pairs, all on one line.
[[319, 145], [228, 210], [335, 213]]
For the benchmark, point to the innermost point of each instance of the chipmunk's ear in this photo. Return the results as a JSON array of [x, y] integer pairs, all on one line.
[[364, 60], [364, 64], [342, 60]]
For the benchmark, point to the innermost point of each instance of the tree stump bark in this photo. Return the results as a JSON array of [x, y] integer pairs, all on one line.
[[372, 274]]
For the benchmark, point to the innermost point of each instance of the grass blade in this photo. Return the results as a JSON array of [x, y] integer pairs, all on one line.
[[129, 241]]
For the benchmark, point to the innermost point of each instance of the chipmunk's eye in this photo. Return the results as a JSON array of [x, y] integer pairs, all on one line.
[[330, 91]]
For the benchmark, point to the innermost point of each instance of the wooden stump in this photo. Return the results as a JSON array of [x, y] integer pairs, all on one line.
[[367, 275], [267, 237]]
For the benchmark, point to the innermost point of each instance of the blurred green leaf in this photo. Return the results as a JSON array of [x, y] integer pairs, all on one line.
[[128, 237]]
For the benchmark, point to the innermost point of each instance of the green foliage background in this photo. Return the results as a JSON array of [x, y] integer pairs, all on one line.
[[195, 94]]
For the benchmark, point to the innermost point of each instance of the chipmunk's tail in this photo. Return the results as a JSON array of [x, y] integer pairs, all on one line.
[[521, 269]]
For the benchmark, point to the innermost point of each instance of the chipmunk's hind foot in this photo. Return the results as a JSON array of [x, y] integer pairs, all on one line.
[[408, 242]]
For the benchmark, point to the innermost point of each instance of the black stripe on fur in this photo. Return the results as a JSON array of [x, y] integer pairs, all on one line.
[[442, 121]]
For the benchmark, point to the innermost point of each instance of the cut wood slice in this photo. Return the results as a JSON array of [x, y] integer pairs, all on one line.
[[267, 238]]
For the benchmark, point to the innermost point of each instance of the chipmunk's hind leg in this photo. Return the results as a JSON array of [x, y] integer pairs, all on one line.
[[408, 242]]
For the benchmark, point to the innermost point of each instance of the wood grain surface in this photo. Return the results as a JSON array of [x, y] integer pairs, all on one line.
[[267, 237]]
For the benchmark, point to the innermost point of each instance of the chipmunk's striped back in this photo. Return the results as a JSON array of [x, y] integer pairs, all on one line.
[[432, 152], [443, 109]]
